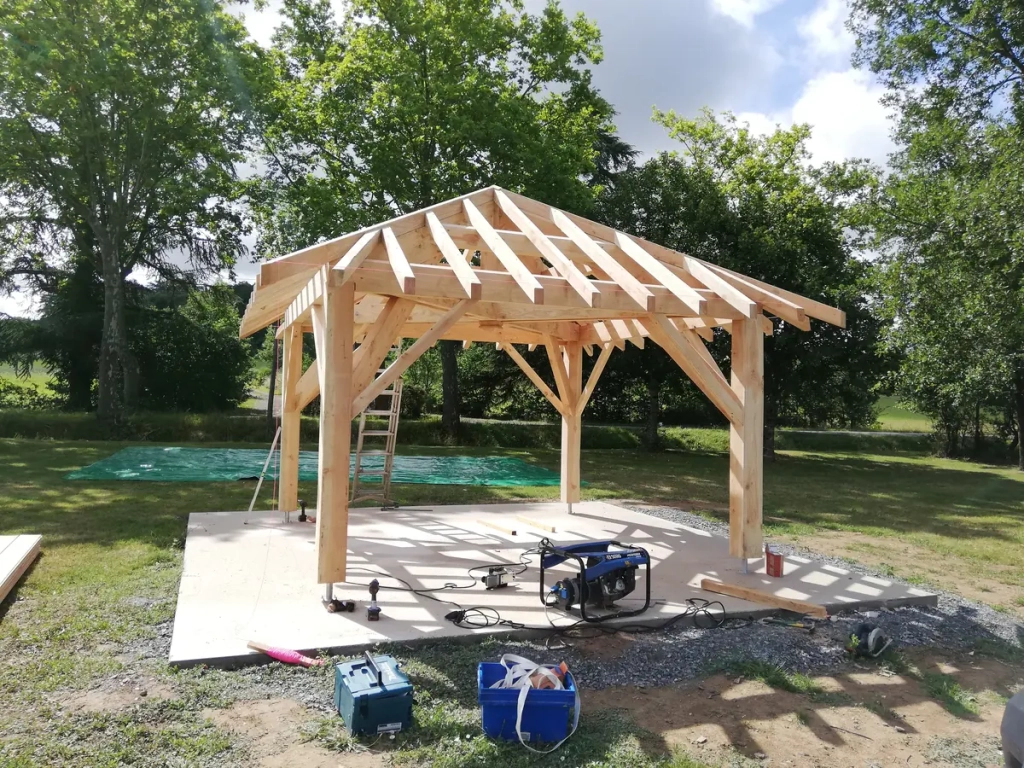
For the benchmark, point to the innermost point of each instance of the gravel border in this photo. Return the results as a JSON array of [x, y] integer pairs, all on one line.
[[679, 654]]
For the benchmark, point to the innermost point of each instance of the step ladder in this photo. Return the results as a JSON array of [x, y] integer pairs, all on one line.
[[381, 442]]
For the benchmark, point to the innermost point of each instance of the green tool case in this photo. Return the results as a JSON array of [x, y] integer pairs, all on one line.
[[372, 695]]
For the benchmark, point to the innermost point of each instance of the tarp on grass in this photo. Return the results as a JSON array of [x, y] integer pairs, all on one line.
[[169, 464]]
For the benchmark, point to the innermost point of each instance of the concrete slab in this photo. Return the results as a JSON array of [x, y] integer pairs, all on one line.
[[253, 577]]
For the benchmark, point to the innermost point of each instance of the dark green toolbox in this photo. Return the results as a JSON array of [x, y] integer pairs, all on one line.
[[373, 695]]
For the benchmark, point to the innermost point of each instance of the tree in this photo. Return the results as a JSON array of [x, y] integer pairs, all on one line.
[[757, 205], [949, 221], [120, 125], [405, 103]]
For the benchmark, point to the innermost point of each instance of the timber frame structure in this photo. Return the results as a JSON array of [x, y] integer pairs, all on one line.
[[494, 266]]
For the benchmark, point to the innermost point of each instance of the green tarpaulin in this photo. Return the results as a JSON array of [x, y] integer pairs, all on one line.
[[222, 464]]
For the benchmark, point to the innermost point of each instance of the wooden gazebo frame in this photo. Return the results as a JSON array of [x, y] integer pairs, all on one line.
[[545, 277]]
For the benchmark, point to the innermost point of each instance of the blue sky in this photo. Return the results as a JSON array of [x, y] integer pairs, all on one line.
[[769, 61]]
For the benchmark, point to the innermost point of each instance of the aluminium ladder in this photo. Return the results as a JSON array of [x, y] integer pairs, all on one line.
[[363, 488]]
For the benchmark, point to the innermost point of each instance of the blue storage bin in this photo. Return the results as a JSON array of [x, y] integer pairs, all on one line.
[[547, 714]]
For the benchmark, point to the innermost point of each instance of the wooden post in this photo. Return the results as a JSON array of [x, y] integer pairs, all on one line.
[[333, 326], [288, 500], [746, 436], [572, 418]]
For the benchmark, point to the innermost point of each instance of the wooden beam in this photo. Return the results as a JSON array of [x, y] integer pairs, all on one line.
[[746, 440], [661, 273], [378, 343], [439, 281], [739, 300], [538, 382], [308, 387], [411, 355], [811, 308], [355, 256], [765, 598], [561, 263], [319, 340], [595, 374], [553, 350], [399, 263], [533, 290], [618, 273], [777, 305], [471, 331], [711, 382], [291, 417], [571, 423], [455, 258], [335, 350]]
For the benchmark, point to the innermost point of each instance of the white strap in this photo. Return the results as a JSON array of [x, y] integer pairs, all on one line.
[[518, 674]]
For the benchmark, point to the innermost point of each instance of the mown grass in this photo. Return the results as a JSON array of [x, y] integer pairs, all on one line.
[[894, 417], [112, 556]]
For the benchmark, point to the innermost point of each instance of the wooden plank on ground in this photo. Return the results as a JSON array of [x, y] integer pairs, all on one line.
[[16, 555], [548, 527], [765, 598], [497, 527]]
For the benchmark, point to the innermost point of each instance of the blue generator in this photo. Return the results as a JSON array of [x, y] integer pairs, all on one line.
[[373, 695]]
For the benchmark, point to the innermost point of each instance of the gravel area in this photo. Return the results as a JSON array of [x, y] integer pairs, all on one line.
[[658, 658]]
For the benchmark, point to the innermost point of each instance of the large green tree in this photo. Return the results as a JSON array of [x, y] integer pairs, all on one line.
[[400, 104], [121, 122], [949, 222], [757, 204]]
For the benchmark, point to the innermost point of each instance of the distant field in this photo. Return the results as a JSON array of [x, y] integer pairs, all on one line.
[[38, 375], [894, 418]]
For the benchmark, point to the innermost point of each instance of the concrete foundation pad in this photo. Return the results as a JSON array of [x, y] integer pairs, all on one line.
[[253, 576]]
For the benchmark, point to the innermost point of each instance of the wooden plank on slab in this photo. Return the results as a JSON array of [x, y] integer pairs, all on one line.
[[547, 527], [764, 598], [498, 527], [19, 552]]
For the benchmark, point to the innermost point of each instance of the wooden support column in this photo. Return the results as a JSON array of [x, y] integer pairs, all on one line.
[[288, 500], [333, 330], [746, 435], [572, 417]]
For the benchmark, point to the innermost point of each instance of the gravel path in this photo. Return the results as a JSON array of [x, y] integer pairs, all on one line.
[[663, 657]]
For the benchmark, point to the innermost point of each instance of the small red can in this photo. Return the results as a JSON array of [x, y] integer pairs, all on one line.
[[773, 562]]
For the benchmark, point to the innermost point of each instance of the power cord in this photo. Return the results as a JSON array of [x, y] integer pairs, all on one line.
[[482, 617]]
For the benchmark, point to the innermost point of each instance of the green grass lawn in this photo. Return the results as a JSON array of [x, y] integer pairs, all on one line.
[[38, 376], [112, 555], [893, 417]]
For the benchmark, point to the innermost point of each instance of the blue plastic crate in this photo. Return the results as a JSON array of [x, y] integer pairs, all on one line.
[[547, 714]]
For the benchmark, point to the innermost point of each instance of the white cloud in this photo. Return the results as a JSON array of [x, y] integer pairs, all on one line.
[[845, 113], [743, 11], [825, 34]]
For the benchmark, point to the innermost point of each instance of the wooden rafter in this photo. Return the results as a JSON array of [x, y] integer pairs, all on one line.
[[399, 263], [455, 258], [533, 289]]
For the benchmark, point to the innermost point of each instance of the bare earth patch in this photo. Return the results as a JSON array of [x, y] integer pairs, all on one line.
[[864, 717], [115, 695], [271, 729]]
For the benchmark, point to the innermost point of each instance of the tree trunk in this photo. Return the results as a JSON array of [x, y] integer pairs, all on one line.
[[111, 389], [768, 443], [651, 439], [273, 385], [978, 437], [1020, 422], [450, 389]]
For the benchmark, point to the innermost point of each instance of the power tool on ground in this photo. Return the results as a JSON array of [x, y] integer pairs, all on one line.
[[606, 572]]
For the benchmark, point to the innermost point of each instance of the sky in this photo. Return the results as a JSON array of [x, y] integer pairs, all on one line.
[[771, 62]]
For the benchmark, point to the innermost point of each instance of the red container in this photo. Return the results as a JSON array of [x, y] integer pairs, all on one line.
[[773, 562]]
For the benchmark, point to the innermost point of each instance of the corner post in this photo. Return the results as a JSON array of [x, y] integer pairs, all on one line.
[[288, 500], [572, 359], [746, 462], [333, 326]]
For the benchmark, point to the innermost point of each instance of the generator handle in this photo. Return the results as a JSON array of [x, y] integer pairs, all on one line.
[[375, 668]]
